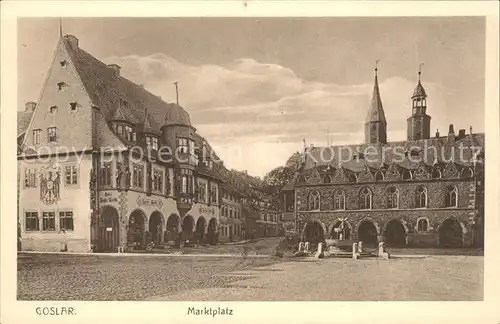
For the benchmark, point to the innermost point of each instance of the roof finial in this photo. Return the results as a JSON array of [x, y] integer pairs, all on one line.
[[60, 27], [176, 83], [420, 70], [376, 66]]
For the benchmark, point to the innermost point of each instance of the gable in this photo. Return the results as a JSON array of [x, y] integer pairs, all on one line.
[[62, 89]]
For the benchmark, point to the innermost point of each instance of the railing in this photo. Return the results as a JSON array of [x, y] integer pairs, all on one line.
[[288, 216]]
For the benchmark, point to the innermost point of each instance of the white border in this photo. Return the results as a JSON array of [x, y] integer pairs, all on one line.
[[273, 312]]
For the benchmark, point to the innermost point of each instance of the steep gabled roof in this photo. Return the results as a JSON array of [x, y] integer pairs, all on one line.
[[23, 121], [107, 89]]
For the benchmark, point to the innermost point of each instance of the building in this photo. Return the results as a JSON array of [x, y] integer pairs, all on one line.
[[105, 165], [423, 191], [231, 213]]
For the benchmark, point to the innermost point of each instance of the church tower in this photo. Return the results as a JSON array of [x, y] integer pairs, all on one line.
[[419, 124], [376, 125]]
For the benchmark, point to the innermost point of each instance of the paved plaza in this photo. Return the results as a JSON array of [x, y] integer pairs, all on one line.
[[100, 277]]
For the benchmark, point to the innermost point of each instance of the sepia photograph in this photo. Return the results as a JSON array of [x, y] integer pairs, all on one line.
[[255, 158]]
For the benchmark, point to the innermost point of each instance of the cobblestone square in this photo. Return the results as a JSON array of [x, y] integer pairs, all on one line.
[[96, 277]]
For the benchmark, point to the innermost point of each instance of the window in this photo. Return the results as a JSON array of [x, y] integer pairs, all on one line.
[[451, 198], [61, 85], [422, 225], [36, 136], [379, 176], [230, 213], [157, 181], [213, 194], [392, 198], [466, 173], [70, 174], [436, 174], [119, 129], [106, 174], [73, 105], [52, 134], [327, 179], [49, 221], [314, 199], [183, 145], [138, 177], [53, 110], [152, 142], [186, 181], [202, 192], [129, 134], [64, 63], [30, 177], [421, 197], [365, 197], [66, 220], [339, 200], [31, 221], [406, 175]]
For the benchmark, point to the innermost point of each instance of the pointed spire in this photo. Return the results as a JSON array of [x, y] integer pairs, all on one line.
[[376, 111], [419, 90], [60, 28]]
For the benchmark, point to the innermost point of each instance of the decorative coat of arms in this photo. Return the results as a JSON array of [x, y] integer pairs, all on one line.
[[50, 180]]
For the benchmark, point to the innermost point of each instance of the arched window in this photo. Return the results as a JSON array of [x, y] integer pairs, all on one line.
[[365, 199], [301, 179], [327, 179], [422, 225], [379, 176], [436, 174], [339, 200], [392, 198], [421, 197], [406, 175], [451, 198], [466, 173], [314, 201], [351, 177]]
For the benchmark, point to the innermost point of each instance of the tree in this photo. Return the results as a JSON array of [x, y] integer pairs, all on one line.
[[279, 177]]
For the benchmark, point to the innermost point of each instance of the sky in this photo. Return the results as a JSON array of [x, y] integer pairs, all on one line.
[[256, 87]]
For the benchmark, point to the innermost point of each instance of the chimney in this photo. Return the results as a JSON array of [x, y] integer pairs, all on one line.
[[461, 133], [73, 41], [30, 106], [115, 67], [437, 133]]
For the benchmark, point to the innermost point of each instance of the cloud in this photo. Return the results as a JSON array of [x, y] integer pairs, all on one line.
[[266, 109]]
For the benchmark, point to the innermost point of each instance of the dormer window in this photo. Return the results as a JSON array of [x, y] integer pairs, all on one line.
[[128, 133], [119, 129], [73, 106], [61, 85], [53, 109], [64, 63]]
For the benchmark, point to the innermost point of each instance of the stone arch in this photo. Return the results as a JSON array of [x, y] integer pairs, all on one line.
[[200, 231], [172, 227], [451, 233], [157, 227], [137, 227], [212, 231], [188, 224], [336, 223], [395, 232], [314, 232], [368, 231]]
